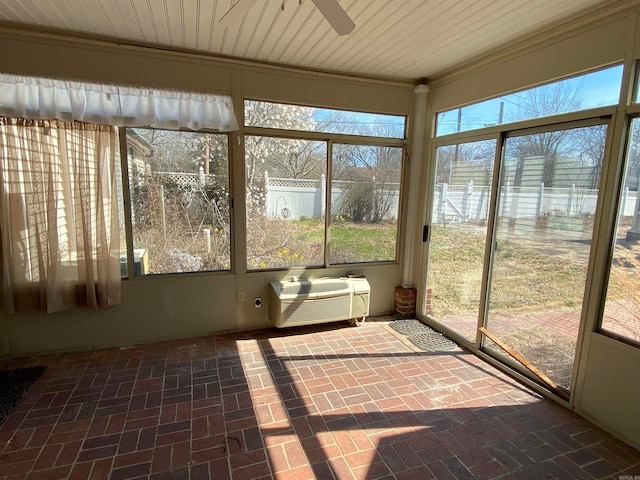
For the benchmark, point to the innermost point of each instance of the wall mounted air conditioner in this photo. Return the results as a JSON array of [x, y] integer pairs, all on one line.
[[320, 300]]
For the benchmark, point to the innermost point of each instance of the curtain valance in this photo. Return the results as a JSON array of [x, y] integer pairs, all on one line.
[[48, 99]]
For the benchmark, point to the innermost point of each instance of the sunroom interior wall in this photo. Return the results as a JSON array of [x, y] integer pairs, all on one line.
[[184, 305], [606, 389], [327, 91], [636, 43], [57, 57]]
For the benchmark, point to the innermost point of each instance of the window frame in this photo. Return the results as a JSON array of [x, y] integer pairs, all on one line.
[[292, 104], [626, 111], [633, 113], [543, 120], [331, 139], [127, 210], [329, 194]]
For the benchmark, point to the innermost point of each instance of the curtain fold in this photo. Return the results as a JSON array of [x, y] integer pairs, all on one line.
[[59, 222], [45, 98]]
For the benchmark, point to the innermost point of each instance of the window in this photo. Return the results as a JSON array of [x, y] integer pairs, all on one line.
[[461, 198], [65, 141], [289, 189], [547, 197], [622, 305], [310, 119], [595, 89], [365, 201], [179, 190], [286, 181]]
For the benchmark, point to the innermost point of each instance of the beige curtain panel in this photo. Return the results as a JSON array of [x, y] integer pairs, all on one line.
[[59, 217]]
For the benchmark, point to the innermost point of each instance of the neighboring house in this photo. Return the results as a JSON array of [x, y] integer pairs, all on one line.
[[138, 153]]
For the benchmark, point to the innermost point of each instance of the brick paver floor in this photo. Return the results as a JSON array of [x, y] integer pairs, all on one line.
[[329, 402]]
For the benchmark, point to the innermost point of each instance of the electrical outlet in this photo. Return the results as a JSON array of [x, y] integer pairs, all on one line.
[[257, 302]]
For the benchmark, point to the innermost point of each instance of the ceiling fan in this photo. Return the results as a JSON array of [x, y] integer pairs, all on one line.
[[331, 9]]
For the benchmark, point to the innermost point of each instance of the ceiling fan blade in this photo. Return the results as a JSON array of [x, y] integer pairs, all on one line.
[[336, 16], [236, 12]]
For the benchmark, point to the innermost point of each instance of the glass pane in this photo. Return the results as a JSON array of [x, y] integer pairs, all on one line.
[[286, 192], [547, 201], [622, 306], [179, 187], [311, 119], [596, 89], [458, 236], [365, 200]]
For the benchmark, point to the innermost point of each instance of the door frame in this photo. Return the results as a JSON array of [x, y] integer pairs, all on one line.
[[500, 133]]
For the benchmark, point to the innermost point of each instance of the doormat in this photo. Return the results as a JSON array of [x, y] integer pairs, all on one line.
[[14, 384], [422, 336], [409, 327]]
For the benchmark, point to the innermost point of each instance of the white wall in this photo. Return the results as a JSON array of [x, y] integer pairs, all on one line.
[[611, 390], [180, 306], [563, 53]]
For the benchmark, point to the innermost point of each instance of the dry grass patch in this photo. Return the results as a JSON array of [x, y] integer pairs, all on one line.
[[522, 277]]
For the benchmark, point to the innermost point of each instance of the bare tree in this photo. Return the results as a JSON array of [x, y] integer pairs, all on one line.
[[371, 176], [591, 142], [263, 153], [473, 160], [172, 151], [299, 158], [633, 158]]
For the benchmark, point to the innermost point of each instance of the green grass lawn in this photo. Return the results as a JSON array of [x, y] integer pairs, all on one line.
[[301, 242], [351, 242]]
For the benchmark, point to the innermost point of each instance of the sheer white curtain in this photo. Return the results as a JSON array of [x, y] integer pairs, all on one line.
[[59, 204], [45, 98], [59, 228]]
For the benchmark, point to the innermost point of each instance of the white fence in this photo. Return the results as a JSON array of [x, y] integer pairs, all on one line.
[[471, 203], [294, 198], [299, 198], [182, 178]]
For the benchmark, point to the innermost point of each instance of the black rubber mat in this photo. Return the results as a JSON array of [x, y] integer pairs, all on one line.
[[422, 336], [14, 384], [409, 327], [432, 342]]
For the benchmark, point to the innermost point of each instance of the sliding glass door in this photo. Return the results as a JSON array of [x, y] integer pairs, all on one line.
[[525, 293], [459, 232], [621, 316], [546, 205]]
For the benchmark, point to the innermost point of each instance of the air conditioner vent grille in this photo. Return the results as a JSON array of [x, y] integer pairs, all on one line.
[[306, 302], [306, 288]]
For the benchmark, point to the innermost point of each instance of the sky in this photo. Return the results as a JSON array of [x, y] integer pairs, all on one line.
[[600, 88], [361, 123]]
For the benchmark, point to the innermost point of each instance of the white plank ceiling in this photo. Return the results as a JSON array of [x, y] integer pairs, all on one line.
[[403, 39]]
